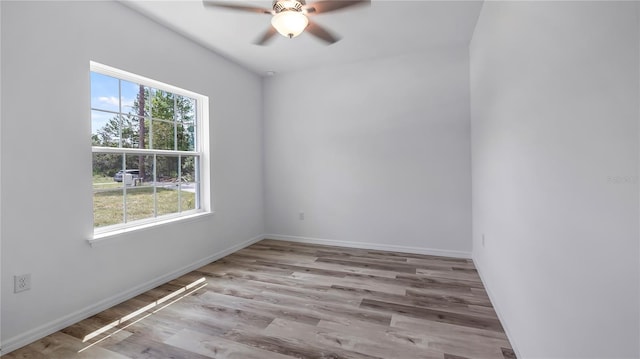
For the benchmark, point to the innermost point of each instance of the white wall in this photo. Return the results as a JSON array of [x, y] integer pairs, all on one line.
[[375, 153], [46, 159], [554, 103]]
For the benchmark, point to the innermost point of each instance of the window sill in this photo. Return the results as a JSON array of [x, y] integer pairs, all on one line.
[[105, 237]]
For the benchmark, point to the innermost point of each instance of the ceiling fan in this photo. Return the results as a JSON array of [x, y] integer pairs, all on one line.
[[290, 16]]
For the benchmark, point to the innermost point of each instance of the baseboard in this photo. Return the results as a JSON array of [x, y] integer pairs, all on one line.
[[478, 266], [364, 245], [61, 323]]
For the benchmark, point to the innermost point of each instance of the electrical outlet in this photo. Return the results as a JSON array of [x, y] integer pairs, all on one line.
[[483, 239], [21, 282], [301, 216]]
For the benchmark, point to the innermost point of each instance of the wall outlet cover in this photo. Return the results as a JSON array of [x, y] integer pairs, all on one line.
[[21, 283]]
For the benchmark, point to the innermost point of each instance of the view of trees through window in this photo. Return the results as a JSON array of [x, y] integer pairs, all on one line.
[[145, 154]]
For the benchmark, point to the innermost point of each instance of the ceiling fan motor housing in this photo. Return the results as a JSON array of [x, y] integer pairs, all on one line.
[[288, 5]]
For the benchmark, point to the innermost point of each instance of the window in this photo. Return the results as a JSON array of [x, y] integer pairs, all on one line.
[[148, 144]]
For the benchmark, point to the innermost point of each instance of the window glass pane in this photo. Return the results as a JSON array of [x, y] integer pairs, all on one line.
[[131, 165], [141, 132], [186, 136], [105, 168], [105, 130], [104, 92], [188, 198], [140, 203], [186, 127], [140, 167], [163, 135], [130, 131], [185, 109], [167, 184], [139, 195], [131, 98], [167, 170], [162, 105], [167, 198], [107, 208], [188, 168], [107, 189], [189, 184], [147, 171]]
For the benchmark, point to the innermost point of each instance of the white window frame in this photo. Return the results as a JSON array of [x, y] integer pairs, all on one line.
[[201, 150]]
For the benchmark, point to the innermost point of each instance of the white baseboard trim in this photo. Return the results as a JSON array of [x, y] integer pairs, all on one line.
[[364, 245], [487, 288], [30, 336]]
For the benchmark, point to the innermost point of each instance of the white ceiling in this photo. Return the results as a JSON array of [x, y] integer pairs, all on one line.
[[385, 28]]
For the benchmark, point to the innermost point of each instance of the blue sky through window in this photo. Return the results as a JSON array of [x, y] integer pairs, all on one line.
[[104, 96]]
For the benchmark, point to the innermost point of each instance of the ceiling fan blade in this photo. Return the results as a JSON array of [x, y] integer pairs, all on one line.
[[266, 36], [323, 6], [230, 5], [321, 33]]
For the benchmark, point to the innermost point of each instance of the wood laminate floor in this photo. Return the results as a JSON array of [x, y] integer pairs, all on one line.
[[286, 300]]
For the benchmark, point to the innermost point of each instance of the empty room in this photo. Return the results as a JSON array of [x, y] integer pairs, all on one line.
[[319, 179]]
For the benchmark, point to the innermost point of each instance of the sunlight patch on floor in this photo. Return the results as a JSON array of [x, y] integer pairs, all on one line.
[[167, 300]]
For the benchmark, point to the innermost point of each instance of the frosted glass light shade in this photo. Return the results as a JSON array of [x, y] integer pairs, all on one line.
[[289, 23]]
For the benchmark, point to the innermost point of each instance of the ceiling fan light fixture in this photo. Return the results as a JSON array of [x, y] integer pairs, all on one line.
[[289, 23]]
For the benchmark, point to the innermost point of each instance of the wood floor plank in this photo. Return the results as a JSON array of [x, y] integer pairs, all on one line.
[[263, 254], [340, 336], [360, 255], [393, 338], [309, 311], [393, 287], [278, 300], [370, 264], [341, 268], [136, 347], [274, 293], [293, 347], [229, 264], [454, 297], [219, 315], [217, 347], [453, 273], [438, 279], [292, 280], [411, 266], [431, 260], [465, 320], [446, 337]]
